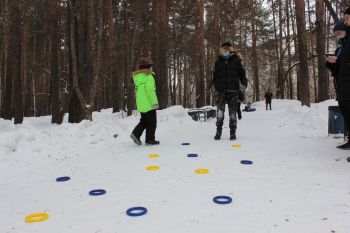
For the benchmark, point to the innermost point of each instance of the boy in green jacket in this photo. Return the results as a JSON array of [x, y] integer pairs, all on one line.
[[146, 102]]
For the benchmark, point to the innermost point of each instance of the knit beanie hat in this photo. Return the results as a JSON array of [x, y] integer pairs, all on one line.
[[226, 43], [145, 63], [339, 26], [347, 11]]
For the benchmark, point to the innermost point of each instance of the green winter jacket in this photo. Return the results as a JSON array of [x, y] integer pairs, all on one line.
[[145, 88]]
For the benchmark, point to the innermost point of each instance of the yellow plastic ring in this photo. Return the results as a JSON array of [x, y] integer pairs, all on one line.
[[202, 171], [37, 217], [152, 168], [236, 145], [153, 156]]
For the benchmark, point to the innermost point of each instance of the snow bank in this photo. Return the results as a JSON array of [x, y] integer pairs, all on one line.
[[310, 122]]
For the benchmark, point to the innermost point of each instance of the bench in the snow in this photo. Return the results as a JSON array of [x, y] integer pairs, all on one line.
[[202, 113]]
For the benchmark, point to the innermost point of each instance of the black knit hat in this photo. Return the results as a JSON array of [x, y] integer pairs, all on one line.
[[227, 43], [145, 63], [347, 11], [339, 26]]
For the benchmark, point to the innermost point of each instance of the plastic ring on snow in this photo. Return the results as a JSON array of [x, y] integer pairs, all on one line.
[[136, 211], [63, 179], [236, 145], [153, 156], [246, 162], [202, 171], [222, 200], [97, 192], [192, 155], [152, 168], [37, 217], [186, 144]]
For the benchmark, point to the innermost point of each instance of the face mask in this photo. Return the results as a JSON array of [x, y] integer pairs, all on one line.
[[225, 54], [340, 37]]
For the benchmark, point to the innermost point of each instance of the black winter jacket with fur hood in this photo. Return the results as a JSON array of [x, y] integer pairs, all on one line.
[[228, 74]]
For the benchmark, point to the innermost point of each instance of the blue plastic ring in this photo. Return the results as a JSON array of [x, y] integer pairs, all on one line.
[[222, 200], [62, 179], [192, 155], [186, 144], [246, 162], [136, 211], [97, 192]]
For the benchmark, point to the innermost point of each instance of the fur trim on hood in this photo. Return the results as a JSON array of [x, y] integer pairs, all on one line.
[[233, 52], [146, 71]]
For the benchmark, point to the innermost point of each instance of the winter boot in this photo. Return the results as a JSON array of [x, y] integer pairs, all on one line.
[[345, 146], [152, 143], [232, 134], [218, 133], [136, 139]]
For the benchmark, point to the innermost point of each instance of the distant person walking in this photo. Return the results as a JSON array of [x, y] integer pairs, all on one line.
[[146, 102], [268, 99], [229, 77]]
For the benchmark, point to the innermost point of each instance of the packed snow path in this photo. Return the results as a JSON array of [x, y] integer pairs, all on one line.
[[298, 181]]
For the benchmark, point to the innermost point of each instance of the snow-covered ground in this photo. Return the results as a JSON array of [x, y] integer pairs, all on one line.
[[298, 182]]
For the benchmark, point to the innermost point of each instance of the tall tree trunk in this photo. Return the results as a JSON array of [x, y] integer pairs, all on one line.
[[199, 73], [159, 49], [280, 44], [302, 47], [311, 40], [320, 43], [112, 53], [14, 66], [97, 65], [5, 106], [55, 82], [331, 10], [255, 62], [16, 46], [24, 72], [278, 95], [78, 106], [290, 80]]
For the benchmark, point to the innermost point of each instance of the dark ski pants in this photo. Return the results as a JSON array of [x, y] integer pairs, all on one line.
[[345, 110], [239, 112], [231, 99], [147, 122], [268, 103]]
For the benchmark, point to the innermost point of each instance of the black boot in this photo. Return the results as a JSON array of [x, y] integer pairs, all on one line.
[[218, 134], [152, 143], [136, 139], [345, 146], [232, 134]]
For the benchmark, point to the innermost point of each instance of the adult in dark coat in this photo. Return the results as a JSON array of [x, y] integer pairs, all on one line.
[[228, 79], [342, 74], [331, 59], [268, 99]]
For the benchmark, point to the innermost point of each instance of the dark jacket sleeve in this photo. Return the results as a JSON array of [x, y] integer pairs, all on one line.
[[333, 68], [242, 76], [214, 76]]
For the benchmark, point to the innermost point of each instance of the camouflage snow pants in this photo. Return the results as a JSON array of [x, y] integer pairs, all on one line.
[[231, 99]]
